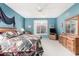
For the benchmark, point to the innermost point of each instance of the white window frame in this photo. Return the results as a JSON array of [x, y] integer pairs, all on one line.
[[40, 22]]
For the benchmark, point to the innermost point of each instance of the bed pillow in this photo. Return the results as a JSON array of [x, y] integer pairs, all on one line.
[[10, 34], [1, 37]]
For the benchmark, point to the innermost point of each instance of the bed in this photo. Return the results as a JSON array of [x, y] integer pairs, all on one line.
[[14, 44]]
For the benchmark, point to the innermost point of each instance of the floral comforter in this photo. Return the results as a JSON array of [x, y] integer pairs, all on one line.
[[22, 45]]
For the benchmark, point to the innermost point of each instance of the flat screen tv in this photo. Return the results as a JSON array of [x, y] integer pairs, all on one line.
[[52, 30]]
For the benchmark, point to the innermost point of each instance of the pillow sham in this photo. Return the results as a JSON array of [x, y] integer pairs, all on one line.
[[10, 34]]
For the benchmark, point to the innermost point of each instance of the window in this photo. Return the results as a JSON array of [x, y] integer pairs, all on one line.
[[40, 27]]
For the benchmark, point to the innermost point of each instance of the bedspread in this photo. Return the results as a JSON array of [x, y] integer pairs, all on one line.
[[22, 45]]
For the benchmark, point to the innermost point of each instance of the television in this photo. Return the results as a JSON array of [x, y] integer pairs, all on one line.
[[52, 30]]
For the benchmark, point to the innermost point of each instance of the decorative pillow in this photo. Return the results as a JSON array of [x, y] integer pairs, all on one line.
[[19, 32], [10, 34]]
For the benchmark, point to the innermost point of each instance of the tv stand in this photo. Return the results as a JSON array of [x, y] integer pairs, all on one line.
[[52, 36]]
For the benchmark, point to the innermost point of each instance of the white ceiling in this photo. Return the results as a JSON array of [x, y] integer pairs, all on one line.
[[40, 10]]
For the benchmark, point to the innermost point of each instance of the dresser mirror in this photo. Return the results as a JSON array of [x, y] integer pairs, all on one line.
[[72, 25]]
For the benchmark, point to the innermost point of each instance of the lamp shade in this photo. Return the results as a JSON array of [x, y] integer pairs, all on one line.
[[22, 29]]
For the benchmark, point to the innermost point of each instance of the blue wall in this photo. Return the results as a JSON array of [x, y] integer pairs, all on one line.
[[73, 11], [10, 13], [30, 21]]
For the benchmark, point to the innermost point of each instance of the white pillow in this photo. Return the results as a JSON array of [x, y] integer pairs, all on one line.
[[1, 37], [11, 33]]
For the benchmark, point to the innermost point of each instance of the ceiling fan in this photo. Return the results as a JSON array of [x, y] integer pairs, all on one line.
[[41, 7]]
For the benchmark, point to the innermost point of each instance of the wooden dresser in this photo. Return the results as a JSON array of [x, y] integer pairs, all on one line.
[[71, 42]]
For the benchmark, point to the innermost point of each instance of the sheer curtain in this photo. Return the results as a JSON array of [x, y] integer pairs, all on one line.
[[40, 27]]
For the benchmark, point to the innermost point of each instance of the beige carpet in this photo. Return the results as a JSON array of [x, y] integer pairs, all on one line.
[[54, 48]]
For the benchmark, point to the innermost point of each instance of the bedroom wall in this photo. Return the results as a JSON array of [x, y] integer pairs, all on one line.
[[73, 11], [30, 21], [10, 13]]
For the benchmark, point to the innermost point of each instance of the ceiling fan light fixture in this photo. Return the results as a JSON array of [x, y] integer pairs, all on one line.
[[40, 9]]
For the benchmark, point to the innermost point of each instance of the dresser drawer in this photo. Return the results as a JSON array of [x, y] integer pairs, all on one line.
[[70, 42], [65, 42], [71, 48]]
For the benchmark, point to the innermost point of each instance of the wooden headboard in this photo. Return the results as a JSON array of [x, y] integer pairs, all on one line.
[[5, 29]]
